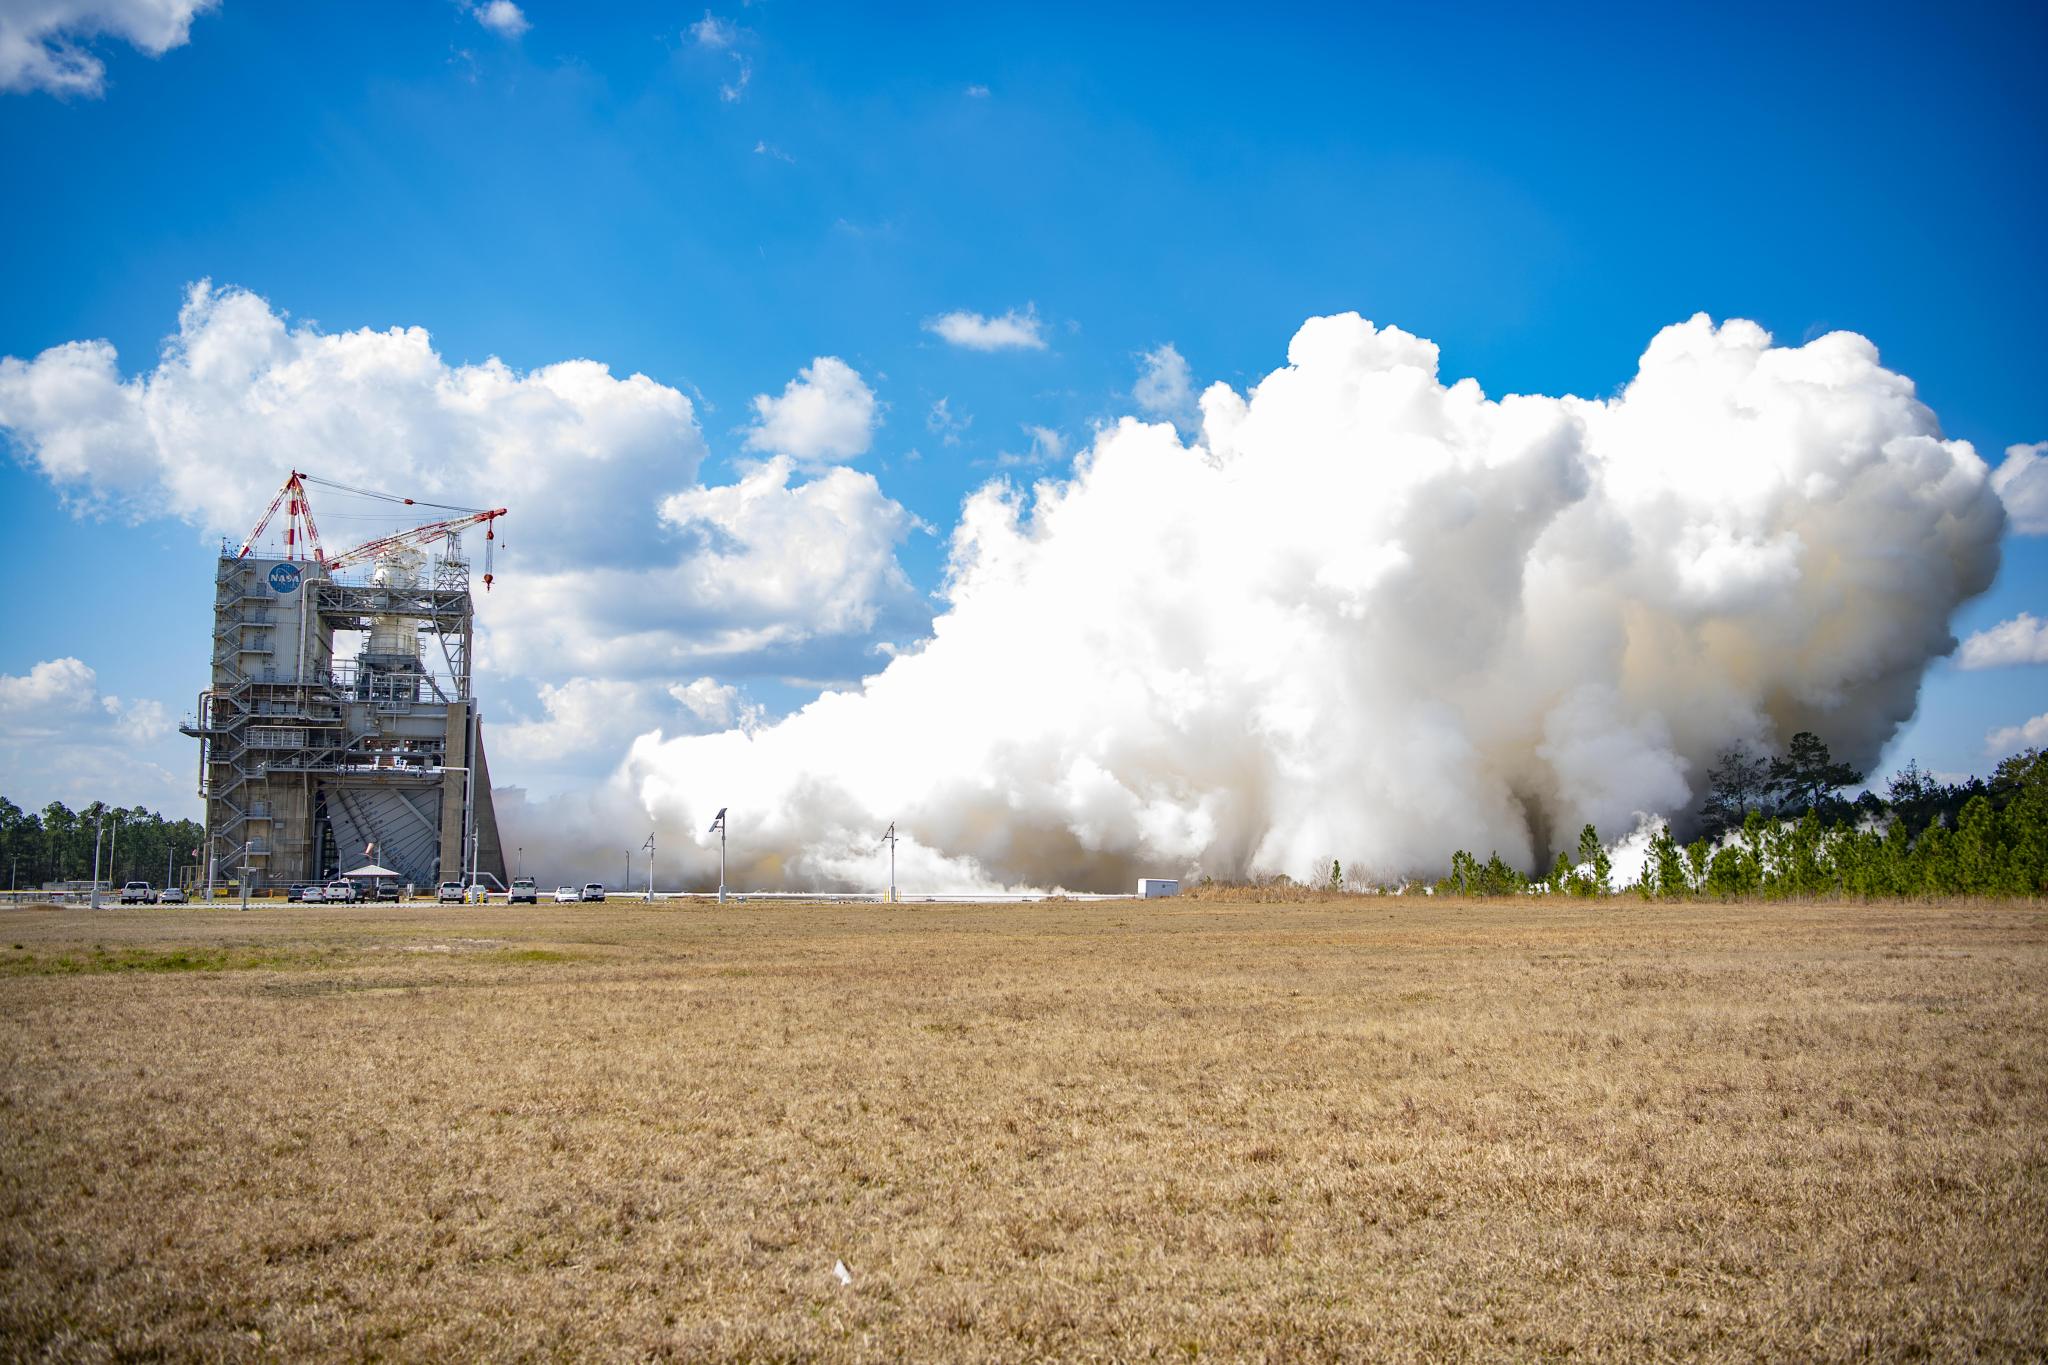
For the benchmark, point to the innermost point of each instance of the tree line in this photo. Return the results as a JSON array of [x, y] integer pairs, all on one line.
[[1775, 826], [56, 844]]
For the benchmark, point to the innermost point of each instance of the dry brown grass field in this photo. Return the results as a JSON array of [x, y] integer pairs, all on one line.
[[1359, 1128]]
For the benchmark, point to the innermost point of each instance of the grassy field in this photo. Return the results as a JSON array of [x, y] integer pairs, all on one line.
[[1359, 1129]]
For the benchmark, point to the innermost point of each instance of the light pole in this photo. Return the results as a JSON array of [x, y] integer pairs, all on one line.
[[214, 862], [114, 849], [649, 846], [718, 828], [519, 862], [890, 840], [99, 826]]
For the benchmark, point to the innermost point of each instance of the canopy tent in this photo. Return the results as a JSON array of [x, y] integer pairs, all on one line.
[[371, 870]]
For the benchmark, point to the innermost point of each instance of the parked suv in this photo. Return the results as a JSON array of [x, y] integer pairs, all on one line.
[[138, 893], [523, 889], [449, 893], [593, 891]]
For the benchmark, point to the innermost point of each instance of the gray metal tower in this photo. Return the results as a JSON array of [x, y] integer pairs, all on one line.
[[313, 762]]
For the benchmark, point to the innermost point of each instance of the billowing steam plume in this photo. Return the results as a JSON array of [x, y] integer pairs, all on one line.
[[1373, 617]]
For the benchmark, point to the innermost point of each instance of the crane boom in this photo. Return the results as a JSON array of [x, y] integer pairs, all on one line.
[[424, 535], [300, 510]]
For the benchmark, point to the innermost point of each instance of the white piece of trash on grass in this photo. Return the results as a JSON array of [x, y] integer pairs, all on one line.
[[845, 1275]]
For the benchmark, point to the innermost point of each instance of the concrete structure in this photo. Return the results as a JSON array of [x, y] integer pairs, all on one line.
[[340, 716]]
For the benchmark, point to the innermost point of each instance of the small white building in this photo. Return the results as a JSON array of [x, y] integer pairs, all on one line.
[[1151, 888]]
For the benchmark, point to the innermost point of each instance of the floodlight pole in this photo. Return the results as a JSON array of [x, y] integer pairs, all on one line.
[[98, 830], [649, 846], [721, 862], [890, 840]]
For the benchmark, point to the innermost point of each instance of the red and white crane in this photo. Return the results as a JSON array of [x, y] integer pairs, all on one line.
[[300, 532]]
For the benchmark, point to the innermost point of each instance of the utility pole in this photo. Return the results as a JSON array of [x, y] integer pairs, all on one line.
[[718, 828], [114, 850], [245, 874], [98, 828], [649, 846], [890, 840]]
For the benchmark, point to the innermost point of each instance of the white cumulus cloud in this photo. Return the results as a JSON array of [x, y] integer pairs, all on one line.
[[1013, 331], [712, 31], [2010, 739], [826, 413], [1165, 387], [62, 738], [41, 41], [238, 391], [719, 706], [503, 18], [2022, 481], [947, 425], [2022, 640], [1375, 616]]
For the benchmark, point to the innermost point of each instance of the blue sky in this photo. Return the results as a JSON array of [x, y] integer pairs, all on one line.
[[716, 205]]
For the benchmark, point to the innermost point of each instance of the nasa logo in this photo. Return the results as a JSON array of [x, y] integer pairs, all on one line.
[[284, 578]]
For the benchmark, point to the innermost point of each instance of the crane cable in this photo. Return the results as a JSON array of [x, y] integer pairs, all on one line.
[[386, 497]]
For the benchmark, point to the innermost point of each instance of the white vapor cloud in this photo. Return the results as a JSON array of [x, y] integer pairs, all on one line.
[[2022, 481], [826, 413], [1165, 388], [2022, 640], [40, 39], [2010, 739], [503, 18], [1374, 616], [1013, 331], [977, 92]]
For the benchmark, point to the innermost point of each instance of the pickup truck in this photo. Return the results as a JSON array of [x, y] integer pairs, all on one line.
[[523, 889], [138, 893], [449, 893]]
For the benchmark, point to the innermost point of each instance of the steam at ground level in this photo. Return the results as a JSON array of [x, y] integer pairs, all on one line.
[[1366, 615]]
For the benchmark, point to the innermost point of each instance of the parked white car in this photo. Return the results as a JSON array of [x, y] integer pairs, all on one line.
[[171, 896], [344, 891], [566, 895], [449, 893], [593, 891]]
